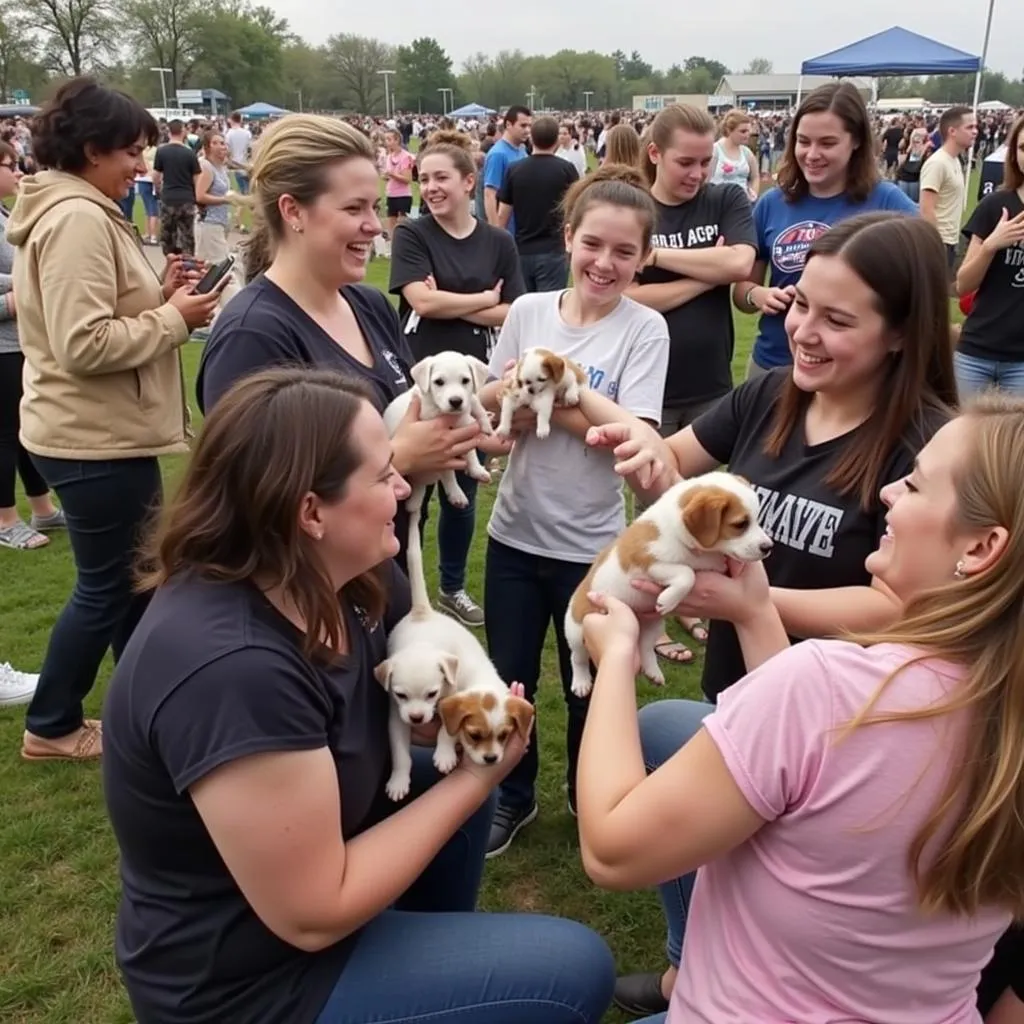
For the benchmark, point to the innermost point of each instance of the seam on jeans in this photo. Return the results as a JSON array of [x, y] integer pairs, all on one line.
[[490, 1004]]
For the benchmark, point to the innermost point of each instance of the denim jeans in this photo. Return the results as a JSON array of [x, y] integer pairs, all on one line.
[[544, 271], [455, 528], [523, 593], [432, 959], [665, 727], [106, 504], [128, 206], [974, 375]]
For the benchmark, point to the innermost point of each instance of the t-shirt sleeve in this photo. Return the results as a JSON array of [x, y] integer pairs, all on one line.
[[737, 223], [494, 169], [158, 159], [719, 429], [251, 701], [932, 175], [762, 210], [508, 344], [985, 217], [642, 384], [196, 169], [410, 258], [772, 727], [508, 187], [893, 199], [509, 269]]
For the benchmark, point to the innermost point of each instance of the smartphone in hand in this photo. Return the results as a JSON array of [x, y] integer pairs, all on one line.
[[214, 276]]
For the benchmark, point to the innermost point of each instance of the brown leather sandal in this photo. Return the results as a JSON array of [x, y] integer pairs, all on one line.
[[88, 746]]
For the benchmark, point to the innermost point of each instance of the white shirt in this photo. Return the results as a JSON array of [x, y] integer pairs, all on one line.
[[239, 141]]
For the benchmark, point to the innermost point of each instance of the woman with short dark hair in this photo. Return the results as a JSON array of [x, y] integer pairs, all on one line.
[[100, 333]]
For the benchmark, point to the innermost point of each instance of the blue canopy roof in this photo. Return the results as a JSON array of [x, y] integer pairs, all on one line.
[[895, 51], [262, 110], [471, 110]]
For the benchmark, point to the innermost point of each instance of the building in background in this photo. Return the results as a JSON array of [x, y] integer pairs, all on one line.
[[776, 92], [652, 104]]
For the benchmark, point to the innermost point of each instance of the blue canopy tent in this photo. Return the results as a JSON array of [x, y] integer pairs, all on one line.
[[261, 110], [471, 110], [896, 51]]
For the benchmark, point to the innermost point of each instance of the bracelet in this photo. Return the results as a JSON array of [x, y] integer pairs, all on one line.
[[746, 297]]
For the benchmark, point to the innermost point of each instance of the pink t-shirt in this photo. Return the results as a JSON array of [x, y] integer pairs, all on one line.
[[398, 163], [813, 920]]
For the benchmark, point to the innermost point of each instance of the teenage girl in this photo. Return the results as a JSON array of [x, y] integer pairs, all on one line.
[[559, 502]]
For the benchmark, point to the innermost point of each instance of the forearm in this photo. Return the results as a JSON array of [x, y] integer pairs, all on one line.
[[491, 205], [743, 295], [973, 270], [762, 637], [489, 396], [493, 316], [383, 862], [441, 305], [667, 295], [504, 214], [714, 266], [824, 613], [571, 420]]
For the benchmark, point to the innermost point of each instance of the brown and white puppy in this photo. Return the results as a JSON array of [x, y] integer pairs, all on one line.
[[541, 380], [483, 719], [693, 526]]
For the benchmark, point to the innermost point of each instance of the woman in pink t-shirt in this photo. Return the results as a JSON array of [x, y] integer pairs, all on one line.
[[397, 173], [854, 808]]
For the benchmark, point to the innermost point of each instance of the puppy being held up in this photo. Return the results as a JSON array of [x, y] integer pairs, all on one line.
[[541, 380], [446, 385], [695, 525]]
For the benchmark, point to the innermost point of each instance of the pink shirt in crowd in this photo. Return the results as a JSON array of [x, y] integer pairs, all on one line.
[[398, 163], [813, 920]]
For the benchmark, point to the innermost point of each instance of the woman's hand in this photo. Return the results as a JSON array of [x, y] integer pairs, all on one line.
[[181, 272], [196, 310], [1009, 231], [493, 295], [614, 627], [491, 444], [639, 452], [773, 301], [739, 595], [515, 748], [432, 446]]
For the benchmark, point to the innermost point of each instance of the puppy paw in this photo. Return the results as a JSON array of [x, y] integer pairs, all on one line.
[[457, 497], [666, 602], [582, 685], [397, 787], [445, 760], [543, 429], [503, 432], [480, 475]]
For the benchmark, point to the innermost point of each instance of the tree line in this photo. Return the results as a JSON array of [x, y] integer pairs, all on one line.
[[249, 53]]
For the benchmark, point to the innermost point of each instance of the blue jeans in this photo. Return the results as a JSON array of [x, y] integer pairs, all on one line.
[[665, 727], [455, 528], [974, 375], [150, 202], [433, 959], [107, 505], [523, 593], [128, 206], [544, 271]]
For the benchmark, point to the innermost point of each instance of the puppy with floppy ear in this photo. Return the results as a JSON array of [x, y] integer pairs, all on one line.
[[541, 380], [483, 721]]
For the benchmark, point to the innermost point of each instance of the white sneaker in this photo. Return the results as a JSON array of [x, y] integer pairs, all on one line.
[[16, 687]]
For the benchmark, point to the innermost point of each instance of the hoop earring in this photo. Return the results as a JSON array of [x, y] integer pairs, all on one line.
[[958, 572]]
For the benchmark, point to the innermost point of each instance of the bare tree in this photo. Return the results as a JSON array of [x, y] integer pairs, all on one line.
[[75, 35], [170, 31], [355, 62], [17, 48]]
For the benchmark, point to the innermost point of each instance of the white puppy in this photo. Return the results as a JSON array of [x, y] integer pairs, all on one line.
[[694, 525], [446, 384], [436, 663], [541, 380]]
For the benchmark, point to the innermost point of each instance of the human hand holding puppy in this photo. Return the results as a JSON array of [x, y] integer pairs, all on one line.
[[516, 746], [434, 445]]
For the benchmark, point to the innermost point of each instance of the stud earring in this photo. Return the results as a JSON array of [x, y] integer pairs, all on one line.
[[297, 227], [959, 572]]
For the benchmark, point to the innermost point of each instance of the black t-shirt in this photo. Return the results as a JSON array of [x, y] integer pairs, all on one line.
[[422, 247], [701, 332], [821, 538], [995, 328], [214, 673], [1004, 971], [534, 188], [179, 166], [892, 138]]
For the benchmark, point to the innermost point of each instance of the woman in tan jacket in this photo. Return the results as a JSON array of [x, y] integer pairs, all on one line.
[[103, 390]]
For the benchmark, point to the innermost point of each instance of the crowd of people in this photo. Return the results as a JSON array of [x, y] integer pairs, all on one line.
[[835, 828]]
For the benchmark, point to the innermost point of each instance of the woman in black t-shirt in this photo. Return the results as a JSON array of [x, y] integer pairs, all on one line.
[[266, 877], [991, 348], [871, 381], [455, 277]]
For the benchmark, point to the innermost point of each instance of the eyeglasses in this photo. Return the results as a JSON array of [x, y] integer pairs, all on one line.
[[8, 166]]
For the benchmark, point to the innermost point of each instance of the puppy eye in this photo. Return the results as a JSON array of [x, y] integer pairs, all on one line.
[[742, 524], [432, 695], [465, 380], [475, 735], [439, 382], [398, 695], [503, 735]]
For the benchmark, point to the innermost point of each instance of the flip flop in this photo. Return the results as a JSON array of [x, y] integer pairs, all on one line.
[[698, 631], [21, 537], [668, 651]]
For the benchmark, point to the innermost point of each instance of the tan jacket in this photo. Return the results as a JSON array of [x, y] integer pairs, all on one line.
[[103, 376]]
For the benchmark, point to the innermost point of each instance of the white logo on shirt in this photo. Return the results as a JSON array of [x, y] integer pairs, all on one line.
[[392, 360], [799, 523], [702, 234]]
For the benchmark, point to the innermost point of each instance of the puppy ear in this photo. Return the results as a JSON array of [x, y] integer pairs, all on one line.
[[420, 374], [554, 365], [521, 713], [703, 510], [577, 371], [454, 711], [449, 669], [479, 371], [382, 673]]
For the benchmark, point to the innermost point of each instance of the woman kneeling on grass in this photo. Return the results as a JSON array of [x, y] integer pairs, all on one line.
[[266, 877], [854, 806]]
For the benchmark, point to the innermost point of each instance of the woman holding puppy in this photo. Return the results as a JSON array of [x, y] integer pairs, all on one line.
[[266, 876], [455, 277], [558, 505]]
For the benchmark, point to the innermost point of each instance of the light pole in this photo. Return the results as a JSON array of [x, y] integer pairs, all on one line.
[[532, 96], [984, 55], [163, 84], [445, 93], [587, 93], [387, 92]]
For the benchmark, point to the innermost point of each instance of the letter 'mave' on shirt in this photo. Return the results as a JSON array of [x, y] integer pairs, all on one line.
[[799, 523]]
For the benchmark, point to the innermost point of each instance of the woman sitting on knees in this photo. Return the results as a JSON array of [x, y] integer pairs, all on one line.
[[265, 874], [853, 807]]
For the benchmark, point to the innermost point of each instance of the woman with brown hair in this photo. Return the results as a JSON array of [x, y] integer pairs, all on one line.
[[829, 172], [265, 874], [622, 146], [870, 382], [734, 162]]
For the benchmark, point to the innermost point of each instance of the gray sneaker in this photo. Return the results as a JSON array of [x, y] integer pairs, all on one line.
[[459, 605]]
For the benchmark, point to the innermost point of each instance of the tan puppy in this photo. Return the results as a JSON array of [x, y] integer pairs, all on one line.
[[541, 380], [693, 526]]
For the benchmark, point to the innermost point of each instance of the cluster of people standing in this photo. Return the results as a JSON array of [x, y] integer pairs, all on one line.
[[834, 829]]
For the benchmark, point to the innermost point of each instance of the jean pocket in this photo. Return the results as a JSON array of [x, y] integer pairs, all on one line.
[[64, 472]]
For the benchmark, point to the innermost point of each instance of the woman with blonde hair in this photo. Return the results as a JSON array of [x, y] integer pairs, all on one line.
[[214, 197], [622, 146], [734, 162], [316, 193]]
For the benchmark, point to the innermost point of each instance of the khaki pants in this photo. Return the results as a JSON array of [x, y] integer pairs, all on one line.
[[212, 246]]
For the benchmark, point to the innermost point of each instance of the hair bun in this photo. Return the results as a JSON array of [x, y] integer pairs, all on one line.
[[618, 172], [450, 137]]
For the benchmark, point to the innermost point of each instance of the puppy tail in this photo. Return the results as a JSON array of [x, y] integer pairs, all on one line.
[[414, 563]]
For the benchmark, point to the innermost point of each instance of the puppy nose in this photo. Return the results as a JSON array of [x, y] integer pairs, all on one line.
[[415, 717], [455, 401], [490, 758], [766, 547]]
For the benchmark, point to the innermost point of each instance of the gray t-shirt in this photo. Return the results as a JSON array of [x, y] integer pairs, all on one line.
[[558, 498]]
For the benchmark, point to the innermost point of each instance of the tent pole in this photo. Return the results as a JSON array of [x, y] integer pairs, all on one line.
[[984, 55], [799, 89]]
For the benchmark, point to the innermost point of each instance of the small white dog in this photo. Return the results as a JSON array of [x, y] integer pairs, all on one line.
[[436, 663], [541, 380], [694, 525], [446, 384]]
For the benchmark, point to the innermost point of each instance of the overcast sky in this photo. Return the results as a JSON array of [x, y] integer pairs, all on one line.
[[665, 31]]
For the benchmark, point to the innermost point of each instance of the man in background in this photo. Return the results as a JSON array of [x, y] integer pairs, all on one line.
[[509, 149], [239, 142], [943, 185], [175, 173]]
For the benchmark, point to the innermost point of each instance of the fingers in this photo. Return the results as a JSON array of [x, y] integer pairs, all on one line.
[[413, 412]]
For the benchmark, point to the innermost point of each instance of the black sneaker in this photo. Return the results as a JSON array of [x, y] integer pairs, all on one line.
[[507, 823], [640, 995]]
